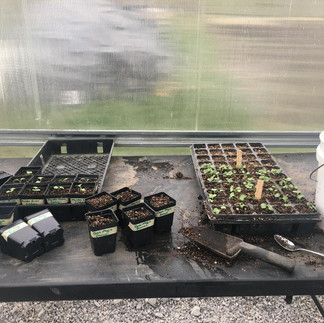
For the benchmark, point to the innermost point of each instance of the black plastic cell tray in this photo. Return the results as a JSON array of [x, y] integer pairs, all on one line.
[[298, 223], [71, 156]]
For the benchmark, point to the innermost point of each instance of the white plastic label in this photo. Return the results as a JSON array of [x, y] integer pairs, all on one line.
[[4, 222], [164, 212], [103, 232], [13, 229], [39, 218], [141, 226]]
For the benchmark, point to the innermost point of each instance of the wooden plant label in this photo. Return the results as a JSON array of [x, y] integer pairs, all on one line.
[[239, 158], [259, 189]]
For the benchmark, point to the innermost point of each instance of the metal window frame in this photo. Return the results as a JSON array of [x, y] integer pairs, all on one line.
[[277, 139]]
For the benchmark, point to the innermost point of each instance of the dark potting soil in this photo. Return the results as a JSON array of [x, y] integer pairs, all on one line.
[[98, 220], [140, 213], [8, 192], [87, 180], [100, 201], [59, 191], [160, 200], [34, 191], [83, 190], [201, 152], [126, 196], [42, 180]]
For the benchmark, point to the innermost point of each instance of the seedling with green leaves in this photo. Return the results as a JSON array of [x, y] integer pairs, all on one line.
[[265, 206], [10, 190], [219, 209]]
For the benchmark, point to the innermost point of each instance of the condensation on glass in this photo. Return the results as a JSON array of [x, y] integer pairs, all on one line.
[[167, 65]]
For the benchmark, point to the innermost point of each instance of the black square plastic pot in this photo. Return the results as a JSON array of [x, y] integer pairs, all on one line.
[[91, 206], [103, 237], [18, 180], [30, 199], [8, 213], [21, 241], [63, 179], [79, 198], [57, 198], [138, 232], [4, 177], [45, 224], [163, 214], [28, 170], [87, 178], [41, 179], [124, 204], [14, 190]]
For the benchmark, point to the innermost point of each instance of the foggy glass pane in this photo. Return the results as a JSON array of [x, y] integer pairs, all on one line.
[[162, 65]]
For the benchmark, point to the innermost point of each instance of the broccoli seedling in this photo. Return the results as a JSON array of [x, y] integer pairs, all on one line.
[[276, 171], [12, 189], [218, 210], [36, 189]]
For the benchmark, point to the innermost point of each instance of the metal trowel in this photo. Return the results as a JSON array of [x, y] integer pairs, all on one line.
[[229, 246]]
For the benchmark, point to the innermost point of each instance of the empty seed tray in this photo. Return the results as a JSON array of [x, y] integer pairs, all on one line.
[[72, 157], [229, 188]]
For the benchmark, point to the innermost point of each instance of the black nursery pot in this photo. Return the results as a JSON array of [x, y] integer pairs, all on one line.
[[110, 205], [79, 198], [31, 199], [45, 224], [103, 237], [138, 232], [8, 213], [163, 214], [21, 241], [14, 197], [57, 198], [87, 178], [28, 170], [4, 177], [124, 204]]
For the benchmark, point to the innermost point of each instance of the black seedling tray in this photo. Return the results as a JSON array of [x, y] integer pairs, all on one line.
[[71, 156], [255, 157]]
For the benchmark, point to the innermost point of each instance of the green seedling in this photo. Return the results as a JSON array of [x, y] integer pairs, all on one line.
[[285, 198], [29, 172], [261, 172], [218, 210], [242, 197], [81, 189], [229, 180], [311, 206], [232, 195], [10, 190], [265, 206], [276, 171], [277, 195], [58, 187], [36, 189], [63, 180]]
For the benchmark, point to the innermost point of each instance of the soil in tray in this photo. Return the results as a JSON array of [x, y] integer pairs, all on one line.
[[160, 200], [59, 190], [11, 191], [260, 150], [34, 190], [215, 146], [216, 152], [201, 152], [203, 158], [101, 201], [137, 214], [98, 220], [82, 190], [42, 179], [304, 208], [126, 196], [241, 146]]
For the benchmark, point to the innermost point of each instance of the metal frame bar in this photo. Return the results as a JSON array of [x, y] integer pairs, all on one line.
[[284, 139]]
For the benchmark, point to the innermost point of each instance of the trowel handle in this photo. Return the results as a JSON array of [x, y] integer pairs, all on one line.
[[268, 256]]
